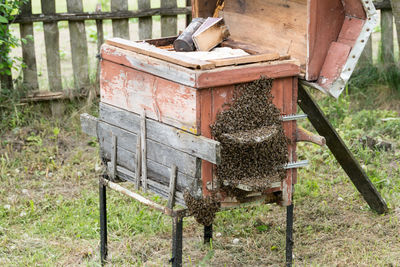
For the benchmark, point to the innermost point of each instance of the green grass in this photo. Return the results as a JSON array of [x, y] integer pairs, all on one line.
[[49, 201]]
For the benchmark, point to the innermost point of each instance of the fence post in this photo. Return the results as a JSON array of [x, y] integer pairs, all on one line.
[[146, 23], [28, 50], [169, 25], [6, 79], [79, 49], [387, 36], [189, 16], [396, 14], [52, 44], [120, 26]]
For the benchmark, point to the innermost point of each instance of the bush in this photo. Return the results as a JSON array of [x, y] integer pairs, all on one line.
[[8, 10]]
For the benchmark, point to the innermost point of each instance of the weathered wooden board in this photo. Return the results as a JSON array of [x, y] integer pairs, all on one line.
[[52, 44], [156, 172], [203, 9], [149, 64], [277, 25], [387, 37], [200, 79], [28, 50], [146, 23], [148, 50], [153, 186], [245, 59], [157, 152], [246, 73], [79, 49], [198, 146], [169, 23], [120, 26], [350, 31], [163, 100]]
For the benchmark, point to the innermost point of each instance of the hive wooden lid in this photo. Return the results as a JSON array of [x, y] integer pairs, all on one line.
[[327, 36]]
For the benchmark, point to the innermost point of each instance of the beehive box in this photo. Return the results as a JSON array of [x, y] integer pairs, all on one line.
[[181, 96]]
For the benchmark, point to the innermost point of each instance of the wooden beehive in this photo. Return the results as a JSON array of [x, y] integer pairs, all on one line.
[[181, 96]]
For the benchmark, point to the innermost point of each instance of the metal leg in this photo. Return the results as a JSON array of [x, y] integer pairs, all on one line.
[[103, 223], [177, 229], [289, 235], [208, 233]]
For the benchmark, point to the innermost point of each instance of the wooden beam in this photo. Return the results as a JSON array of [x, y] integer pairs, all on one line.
[[342, 154], [197, 146], [79, 16]]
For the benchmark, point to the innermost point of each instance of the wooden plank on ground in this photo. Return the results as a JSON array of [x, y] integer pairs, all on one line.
[[342, 154], [149, 50], [28, 50], [145, 23], [79, 48], [387, 37], [120, 26], [169, 25], [52, 44], [197, 146]]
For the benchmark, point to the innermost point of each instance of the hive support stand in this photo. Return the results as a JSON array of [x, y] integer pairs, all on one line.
[[177, 231], [289, 235], [103, 223], [208, 233], [341, 152]]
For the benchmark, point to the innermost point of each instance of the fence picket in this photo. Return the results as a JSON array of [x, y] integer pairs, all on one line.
[[28, 50], [169, 23], [188, 16], [79, 49], [120, 26], [52, 44], [146, 23], [387, 36]]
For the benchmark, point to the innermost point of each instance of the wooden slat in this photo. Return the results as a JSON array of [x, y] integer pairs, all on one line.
[[245, 59], [52, 44], [120, 26], [387, 37], [28, 50], [156, 172], [197, 146], [395, 5], [342, 154], [154, 186], [148, 50], [79, 16], [99, 28], [145, 23], [89, 124], [79, 49], [157, 152], [150, 65], [188, 16], [169, 23]]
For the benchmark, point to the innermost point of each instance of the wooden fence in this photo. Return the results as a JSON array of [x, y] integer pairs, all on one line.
[[76, 18], [120, 16]]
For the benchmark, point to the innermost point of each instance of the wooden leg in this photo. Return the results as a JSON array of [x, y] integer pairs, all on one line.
[[177, 230], [103, 223], [289, 235], [208, 233], [341, 152]]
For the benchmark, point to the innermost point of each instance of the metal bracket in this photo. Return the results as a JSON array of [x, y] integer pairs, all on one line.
[[113, 170], [172, 187], [294, 117]]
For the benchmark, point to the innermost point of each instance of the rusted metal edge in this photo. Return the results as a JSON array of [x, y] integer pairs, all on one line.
[[167, 211]]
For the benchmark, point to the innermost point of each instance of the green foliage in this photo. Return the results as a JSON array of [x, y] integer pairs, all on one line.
[[8, 11]]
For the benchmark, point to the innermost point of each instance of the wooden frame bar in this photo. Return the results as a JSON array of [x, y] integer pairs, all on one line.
[[342, 154]]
